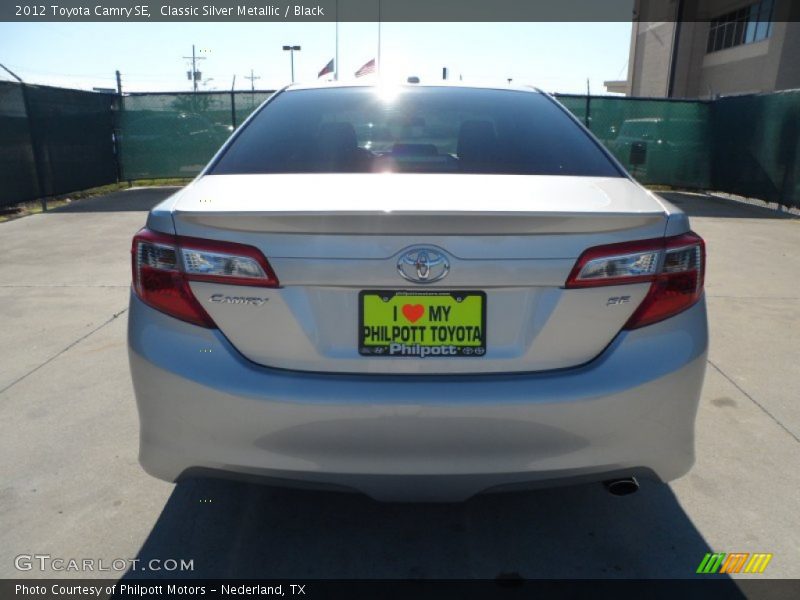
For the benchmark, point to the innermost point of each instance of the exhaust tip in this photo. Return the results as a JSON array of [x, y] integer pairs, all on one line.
[[622, 487]]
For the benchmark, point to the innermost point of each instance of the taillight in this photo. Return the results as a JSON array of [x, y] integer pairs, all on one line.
[[163, 266], [675, 266]]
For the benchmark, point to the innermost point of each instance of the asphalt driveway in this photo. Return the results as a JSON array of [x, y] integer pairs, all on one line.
[[71, 487]]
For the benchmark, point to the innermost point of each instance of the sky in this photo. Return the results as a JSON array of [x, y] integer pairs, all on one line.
[[557, 57]]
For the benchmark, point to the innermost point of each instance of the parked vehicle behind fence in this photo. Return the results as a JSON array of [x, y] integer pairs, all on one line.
[[664, 151]]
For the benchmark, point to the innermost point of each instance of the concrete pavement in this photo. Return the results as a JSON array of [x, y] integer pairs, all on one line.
[[71, 487]]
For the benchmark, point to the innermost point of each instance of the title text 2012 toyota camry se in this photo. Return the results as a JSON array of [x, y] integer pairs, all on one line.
[[420, 293]]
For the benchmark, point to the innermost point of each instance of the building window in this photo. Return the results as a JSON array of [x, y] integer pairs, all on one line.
[[744, 26]]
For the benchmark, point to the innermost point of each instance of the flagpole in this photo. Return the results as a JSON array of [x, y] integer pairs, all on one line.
[[378, 62], [336, 54]]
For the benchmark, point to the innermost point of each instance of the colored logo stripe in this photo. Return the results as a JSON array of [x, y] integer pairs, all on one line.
[[720, 562], [758, 562], [734, 562], [711, 563]]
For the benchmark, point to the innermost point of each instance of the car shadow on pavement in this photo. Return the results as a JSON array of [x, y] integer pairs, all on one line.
[[130, 200], [241, 530]]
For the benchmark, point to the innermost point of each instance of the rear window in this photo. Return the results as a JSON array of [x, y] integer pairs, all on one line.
[[416, 130]]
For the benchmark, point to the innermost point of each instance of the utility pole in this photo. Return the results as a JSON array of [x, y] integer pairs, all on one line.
[[119, 84], [194, 72], [252, 79]]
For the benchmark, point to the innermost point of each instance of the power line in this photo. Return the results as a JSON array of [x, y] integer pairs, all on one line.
[[624, 67], [39, 72]]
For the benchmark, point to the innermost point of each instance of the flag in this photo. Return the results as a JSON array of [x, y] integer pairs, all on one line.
[[326, 69], [366, 69]]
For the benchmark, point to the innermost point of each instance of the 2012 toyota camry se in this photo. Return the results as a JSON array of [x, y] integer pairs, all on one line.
[[420, 293]]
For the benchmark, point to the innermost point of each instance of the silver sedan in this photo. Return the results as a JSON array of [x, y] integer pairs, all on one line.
[[420, 293]]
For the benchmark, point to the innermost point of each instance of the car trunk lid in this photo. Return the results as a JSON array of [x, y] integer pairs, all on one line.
[[330, 237]]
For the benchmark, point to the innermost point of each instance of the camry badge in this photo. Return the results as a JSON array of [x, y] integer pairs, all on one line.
[[223, 299]]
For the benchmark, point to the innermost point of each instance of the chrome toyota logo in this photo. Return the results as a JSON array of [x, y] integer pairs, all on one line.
[[423, 265]]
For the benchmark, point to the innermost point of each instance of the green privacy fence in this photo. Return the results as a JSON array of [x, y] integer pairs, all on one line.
[[174, 135], [659, 141], [755, 146], [55, 141], [747, 145]]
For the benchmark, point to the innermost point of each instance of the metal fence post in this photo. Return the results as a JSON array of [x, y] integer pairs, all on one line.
[[587, 118], [787, 154], [233, 109], [116, 115], [37, 150]]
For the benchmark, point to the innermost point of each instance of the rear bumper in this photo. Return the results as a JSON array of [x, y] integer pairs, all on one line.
[[205, 409]]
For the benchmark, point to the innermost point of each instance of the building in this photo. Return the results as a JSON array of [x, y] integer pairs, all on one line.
[[712, 48]]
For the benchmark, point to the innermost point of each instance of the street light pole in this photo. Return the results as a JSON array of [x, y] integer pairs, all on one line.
[[291, 50]]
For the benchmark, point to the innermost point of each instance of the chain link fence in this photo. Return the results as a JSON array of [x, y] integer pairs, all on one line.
[[662, 142], [755, 146], [55, 141], [175, 135], [17, 162]]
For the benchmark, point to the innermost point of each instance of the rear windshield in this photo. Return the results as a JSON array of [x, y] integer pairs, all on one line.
[[416, 130]]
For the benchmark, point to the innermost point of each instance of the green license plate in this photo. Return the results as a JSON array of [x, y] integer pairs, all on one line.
[[414, 324]]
